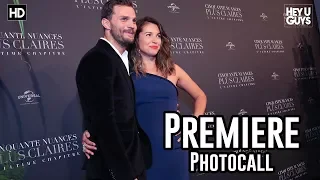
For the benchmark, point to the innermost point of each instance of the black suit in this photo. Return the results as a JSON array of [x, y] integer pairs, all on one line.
[[107, 98]]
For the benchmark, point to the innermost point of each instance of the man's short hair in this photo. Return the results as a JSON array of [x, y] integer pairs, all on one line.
[[107, 9]]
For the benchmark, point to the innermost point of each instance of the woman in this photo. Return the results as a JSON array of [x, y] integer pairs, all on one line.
[[156, 78]]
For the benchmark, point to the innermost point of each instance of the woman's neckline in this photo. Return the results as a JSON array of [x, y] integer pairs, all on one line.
[[163, 78]]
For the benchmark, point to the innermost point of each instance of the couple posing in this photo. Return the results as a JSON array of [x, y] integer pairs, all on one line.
[[123, 114]]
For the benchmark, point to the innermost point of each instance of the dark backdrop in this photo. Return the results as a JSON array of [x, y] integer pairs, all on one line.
[[40, 116]]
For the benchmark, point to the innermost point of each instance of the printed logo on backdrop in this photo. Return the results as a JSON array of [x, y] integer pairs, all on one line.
[[224, 13], [199, 173], [298, 15], [264, 17], [312, 134], [268, 46], [236, 79], [295, 171], [39, 151], [96, 4], [210, 126], [305, 73], [230, 46], [280, 106], [33, 44], [250, 151], [243, 112], [28, 98], [275, 76], [311, 100], [187, 45], [210, 113], [302, 53], [173, 8]]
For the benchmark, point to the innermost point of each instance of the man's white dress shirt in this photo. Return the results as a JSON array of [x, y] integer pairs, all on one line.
[[123, 56]]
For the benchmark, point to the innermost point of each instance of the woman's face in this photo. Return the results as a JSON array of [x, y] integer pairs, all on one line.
[[149, 41]]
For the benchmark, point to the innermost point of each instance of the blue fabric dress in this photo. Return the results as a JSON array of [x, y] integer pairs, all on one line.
[[154, 95]]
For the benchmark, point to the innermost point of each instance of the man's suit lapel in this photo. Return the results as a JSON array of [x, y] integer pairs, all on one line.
[[131, 71], [109, 50], [130, 66]]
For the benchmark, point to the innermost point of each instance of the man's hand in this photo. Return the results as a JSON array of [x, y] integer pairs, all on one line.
[[87, 144]]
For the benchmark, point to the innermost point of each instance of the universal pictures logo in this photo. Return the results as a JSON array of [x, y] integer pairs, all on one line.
[[275, 76], [29, 97], [231, 46], [264, 17], [242, 112], [173, 8]]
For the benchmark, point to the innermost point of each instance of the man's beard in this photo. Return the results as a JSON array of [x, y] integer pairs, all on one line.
[[117, 37]]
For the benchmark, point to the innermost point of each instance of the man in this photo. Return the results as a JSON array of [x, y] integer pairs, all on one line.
[[107, 99]]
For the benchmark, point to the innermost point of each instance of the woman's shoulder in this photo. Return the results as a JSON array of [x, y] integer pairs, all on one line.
[[180, 72], [178, 69], [176, 66]]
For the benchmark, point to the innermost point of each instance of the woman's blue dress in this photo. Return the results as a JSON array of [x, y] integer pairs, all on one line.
[[154, 95]]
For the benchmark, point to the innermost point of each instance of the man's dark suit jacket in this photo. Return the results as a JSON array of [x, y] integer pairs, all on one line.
[[107, 98]]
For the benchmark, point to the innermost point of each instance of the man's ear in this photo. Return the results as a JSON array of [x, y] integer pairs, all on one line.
[[106, 23]]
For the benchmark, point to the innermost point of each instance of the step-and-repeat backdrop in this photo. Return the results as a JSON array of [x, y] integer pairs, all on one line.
[[243, 56]]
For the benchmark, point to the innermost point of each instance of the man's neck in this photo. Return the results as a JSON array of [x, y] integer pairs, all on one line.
[[120, 48]]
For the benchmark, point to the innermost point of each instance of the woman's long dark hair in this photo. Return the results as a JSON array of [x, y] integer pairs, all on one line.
[[164, 62]]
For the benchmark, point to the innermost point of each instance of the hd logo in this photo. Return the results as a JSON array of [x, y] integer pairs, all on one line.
[[17, 12]]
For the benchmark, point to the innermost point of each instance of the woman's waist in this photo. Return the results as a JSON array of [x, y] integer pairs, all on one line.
[[157, 101], [156, 107]]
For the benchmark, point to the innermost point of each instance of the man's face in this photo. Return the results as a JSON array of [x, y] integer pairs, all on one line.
[[123, 25]]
